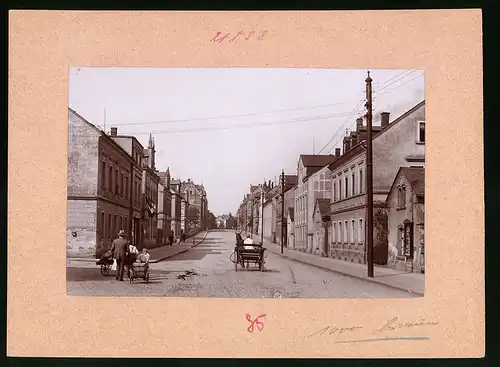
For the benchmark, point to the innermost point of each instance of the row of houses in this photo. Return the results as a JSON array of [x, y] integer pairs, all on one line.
[[325, 201], [113, 184]]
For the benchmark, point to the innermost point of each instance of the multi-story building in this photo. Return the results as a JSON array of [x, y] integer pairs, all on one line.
[[290, 184], [397, 144], [164, 207], [176, 206], [135, 149], [101, 199], [184, 210], [197, 197], [150, 182], [309, 187]]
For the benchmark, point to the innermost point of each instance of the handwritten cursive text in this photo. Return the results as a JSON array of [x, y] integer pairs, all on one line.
[[232, 37], [335, 330], [393, 324]]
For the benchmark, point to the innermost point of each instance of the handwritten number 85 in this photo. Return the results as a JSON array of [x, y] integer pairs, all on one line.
[[219, 37]]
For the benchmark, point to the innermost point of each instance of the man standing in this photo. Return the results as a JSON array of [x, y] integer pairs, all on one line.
[[120, 251]]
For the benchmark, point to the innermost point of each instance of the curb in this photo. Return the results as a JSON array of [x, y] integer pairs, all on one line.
[[180, 252], [350, 275]]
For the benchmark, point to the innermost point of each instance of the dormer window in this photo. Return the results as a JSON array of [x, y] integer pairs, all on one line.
[[421, 132]]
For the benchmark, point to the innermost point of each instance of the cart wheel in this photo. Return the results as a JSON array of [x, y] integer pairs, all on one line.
[[104, 270]]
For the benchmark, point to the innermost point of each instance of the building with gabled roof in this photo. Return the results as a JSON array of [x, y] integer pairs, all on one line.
[[406, 219], [400, 143]]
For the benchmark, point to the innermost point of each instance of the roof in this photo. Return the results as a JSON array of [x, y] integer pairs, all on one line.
[[324, 206], [415, 177], [312, 160], [291, 179], [361, 145]]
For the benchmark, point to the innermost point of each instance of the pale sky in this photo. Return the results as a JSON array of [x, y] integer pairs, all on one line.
[[205, 122]]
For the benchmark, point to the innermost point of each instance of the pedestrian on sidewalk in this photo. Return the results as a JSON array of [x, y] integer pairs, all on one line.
[[171, 238], [183, 236], [120, 251]]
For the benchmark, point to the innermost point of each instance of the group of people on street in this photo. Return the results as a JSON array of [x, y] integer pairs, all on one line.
[[125, 254], [172, 238]]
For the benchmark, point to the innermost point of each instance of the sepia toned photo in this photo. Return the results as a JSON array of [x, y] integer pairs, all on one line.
[[246, 183]]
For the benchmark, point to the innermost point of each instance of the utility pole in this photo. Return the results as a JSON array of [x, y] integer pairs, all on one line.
[[262, 215], [282, 209], [369, 176]]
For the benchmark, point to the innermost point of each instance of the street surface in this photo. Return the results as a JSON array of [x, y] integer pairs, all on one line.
[[207, 271]]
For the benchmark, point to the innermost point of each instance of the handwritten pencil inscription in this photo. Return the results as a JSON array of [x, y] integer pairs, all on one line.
[[395, 324], [240, 35], [391, 325]]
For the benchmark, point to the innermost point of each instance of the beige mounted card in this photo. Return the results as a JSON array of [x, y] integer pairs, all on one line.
[[47, 50]]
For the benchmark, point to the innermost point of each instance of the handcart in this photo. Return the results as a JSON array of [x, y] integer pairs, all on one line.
[[106, 261], [139, 270]]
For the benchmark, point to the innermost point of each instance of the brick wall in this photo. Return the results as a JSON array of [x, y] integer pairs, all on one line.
[[81, 220]]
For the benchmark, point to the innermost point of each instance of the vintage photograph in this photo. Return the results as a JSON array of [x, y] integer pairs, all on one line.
[[246, 183]]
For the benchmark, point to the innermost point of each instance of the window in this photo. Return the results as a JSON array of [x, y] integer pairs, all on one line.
[[346, 233], [316, 185], [116, 182], [346, 187], [328, 185], [334, 191], [115, 225], [341, 233], [360, 180], [125, 222], [361, 233], [103, 226], [110, 183], [322, 185], [122, 185], [103, 178], [421, 132], [353, 192], [340, 189], [120, 222], [353, 232], [126, 186], [334, 232], [109, 229], [401, 197]]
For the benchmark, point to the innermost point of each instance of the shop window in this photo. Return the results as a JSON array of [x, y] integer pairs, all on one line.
[[421, 132]]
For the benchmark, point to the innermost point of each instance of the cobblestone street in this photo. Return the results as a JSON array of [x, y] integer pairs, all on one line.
[[207, 271]]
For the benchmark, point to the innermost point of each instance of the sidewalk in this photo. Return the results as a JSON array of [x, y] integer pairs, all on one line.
[[166, 251], [410, 282], [160, 253]]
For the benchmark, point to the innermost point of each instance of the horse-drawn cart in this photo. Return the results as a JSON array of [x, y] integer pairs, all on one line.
[[249, 254]]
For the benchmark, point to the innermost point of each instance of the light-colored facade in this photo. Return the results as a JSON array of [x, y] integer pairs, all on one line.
[[175, 224], [406, 216], [268, 219], [312, 176], [396, 144]]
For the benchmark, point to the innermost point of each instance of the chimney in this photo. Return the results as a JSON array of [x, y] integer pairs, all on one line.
[[346, 144], [359, 123], [114, 131], [384, 119], [337, 152]]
